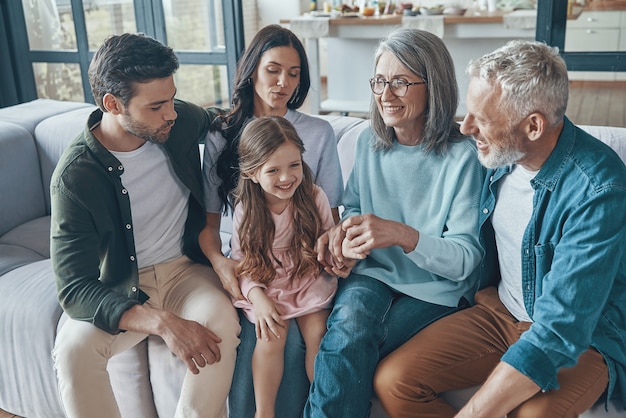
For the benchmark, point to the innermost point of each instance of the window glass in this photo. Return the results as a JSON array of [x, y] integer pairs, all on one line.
[[205, 85], [50, 25], [107, 17], [194, 25], [58, 81]]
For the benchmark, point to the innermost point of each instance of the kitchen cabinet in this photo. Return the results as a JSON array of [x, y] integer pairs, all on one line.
[[596, 30]]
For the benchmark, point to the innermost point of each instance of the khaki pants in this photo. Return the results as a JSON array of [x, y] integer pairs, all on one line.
[[190, 290], [461, 350]]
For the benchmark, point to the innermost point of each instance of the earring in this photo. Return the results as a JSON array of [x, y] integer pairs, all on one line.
[[295, 94]]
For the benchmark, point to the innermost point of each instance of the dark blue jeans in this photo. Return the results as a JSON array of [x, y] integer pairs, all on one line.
[[294, 387], [368, 321]]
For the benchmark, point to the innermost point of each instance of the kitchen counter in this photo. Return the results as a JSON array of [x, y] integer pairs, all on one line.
[[606, 5]]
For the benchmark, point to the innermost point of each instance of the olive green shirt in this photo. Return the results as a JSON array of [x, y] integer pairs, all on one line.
[[92, 243]]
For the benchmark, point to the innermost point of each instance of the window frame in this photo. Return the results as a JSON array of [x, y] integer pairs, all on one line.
[[551, 25], [17, 79]]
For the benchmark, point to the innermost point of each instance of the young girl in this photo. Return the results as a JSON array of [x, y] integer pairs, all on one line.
[[279, 214]]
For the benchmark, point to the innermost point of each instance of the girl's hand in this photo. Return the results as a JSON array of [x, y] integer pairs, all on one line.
[[268, 320], [328, 245]]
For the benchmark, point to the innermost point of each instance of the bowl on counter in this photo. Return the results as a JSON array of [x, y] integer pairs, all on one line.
[[431, 11], [454, 11]]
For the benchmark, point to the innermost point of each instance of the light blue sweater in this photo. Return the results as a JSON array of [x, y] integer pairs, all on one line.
[[436, 194]]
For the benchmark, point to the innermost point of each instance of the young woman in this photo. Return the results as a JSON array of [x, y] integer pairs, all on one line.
[[278, 216], [272, 79]]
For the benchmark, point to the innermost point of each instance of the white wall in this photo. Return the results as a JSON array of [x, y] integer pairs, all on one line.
[[272, 11]]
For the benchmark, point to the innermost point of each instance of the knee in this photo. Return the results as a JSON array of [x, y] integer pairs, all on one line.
[[360, 306], [221, 318], [77, 344], [228, 329], [388, 377], [267, 349]]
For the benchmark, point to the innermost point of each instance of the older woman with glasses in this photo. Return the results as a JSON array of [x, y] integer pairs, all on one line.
[[408, 243]]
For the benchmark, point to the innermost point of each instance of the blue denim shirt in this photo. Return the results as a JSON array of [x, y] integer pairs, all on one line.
[[573, 260]]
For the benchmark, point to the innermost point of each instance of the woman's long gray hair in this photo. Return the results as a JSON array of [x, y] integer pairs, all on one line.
[[426, 56]]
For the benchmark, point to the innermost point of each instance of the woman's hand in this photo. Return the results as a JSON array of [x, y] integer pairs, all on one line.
[[225, 269], [268, 320], [211, 244], [330, 255], [364, 233]]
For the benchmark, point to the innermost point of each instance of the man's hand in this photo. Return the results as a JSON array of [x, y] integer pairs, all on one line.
[[191, 342], [503, 391], [268, 320]]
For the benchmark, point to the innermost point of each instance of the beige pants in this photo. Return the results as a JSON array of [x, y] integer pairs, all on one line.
[[192, 291]]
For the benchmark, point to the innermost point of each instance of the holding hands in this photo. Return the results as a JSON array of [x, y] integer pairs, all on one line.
[[341, 246]]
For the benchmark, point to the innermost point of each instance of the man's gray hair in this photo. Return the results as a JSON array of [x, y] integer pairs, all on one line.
[[532, 76]]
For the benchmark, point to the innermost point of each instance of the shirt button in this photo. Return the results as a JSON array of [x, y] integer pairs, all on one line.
[[110, 168], [124, 191], [128, 226], [134, 289], [485, 210], [120, 167], [132, 258]]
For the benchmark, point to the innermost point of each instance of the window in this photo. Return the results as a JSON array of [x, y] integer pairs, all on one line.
[[61, 36], [551, 28]]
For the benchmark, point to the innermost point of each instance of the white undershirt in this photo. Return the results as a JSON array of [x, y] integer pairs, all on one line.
[[511, 215], [158, 202]]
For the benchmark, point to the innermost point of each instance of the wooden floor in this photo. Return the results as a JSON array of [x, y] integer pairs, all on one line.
[[597, 103], [7, 415]]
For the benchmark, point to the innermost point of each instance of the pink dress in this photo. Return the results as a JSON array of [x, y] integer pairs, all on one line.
[[296, 296]]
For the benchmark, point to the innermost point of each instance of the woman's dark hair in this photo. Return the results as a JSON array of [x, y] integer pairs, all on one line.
[[271, 36], [124, 60]]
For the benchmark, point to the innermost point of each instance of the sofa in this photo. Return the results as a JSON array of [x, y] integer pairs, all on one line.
[[146, 379]]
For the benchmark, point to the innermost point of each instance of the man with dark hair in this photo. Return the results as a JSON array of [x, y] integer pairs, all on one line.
[[127, 207]]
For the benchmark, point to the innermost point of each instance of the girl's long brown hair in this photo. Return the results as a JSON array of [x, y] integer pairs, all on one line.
[[259, 140]]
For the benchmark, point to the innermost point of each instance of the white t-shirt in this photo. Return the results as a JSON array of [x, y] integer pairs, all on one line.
[[158, 203], [510, 218]]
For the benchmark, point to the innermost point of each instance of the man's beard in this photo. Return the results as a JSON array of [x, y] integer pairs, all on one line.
[[500, 156], [156, 136], [504, 153]]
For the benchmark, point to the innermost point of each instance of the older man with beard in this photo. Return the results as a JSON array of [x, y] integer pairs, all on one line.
[[546, 336]]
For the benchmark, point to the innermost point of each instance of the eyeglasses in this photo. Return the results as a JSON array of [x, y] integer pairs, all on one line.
[[398, 86]]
